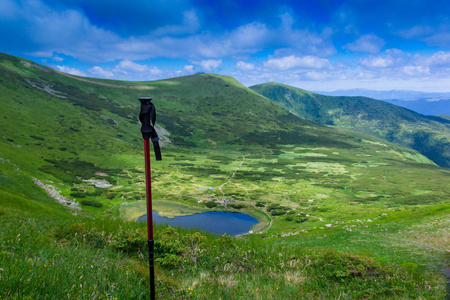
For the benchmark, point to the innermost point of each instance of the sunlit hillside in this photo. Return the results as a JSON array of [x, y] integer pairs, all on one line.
[[342, 214]]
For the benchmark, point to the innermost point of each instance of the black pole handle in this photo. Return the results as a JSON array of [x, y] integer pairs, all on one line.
[[147, 116], [147, 107]]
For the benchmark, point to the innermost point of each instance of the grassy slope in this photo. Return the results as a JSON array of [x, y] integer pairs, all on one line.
[[331, 176], [427, 134]]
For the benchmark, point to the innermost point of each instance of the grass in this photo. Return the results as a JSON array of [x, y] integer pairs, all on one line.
[[96, 258], [404, 243], [336, 208]]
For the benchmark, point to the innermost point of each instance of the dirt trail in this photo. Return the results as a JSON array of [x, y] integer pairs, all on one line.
[[234, 172]]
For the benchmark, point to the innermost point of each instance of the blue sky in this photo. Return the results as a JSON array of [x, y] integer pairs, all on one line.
[[316, 45]]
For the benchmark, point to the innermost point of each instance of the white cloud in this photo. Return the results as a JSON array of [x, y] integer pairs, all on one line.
[[209, 64], [73, 71], [100, 72], [250, 36], [57, 58], [433, 36], [287, 20], [440, 39], [314, 75], [293, 62], [397, 65], [130, 67], [389, 59], [378, 62], [367, 43], [189, 68], [416, 32], [244, 66], [440, 58], [415, 70]]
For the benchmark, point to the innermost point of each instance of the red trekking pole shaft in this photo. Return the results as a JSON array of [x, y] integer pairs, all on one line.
[[151, 241], [148, 189], [147, 117]]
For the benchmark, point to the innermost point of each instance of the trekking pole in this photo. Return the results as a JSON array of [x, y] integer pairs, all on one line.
[[147, 116]]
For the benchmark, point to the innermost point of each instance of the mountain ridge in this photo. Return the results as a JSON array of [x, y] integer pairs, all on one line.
[[427, 134]]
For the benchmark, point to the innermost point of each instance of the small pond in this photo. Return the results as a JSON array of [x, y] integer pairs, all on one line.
[[213, 221]]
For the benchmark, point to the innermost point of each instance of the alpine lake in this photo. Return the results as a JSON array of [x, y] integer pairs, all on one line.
[[219, 222]]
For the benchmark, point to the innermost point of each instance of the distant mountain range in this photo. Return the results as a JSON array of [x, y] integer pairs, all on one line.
[[421, 102], [431, 106], [387, 95]]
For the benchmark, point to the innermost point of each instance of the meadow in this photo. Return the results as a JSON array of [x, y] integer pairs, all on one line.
[[343, 215]]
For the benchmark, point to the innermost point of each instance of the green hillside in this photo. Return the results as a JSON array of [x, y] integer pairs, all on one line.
[[427, 134], [341, 213]]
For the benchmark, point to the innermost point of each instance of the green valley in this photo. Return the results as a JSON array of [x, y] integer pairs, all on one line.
[[343, 214], [429, 135]]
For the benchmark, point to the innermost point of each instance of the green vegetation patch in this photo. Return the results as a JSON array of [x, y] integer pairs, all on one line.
[[70, 171], [92, 203]]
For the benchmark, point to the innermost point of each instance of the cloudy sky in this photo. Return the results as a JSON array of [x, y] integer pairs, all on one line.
[[320, 45]]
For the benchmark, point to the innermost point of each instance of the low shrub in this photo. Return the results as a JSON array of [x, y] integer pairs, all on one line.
[[278, 212], [360, 276], [277, 206], [211, 204], [78, 194], [91, 203], [236, 206], [301, 220]]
